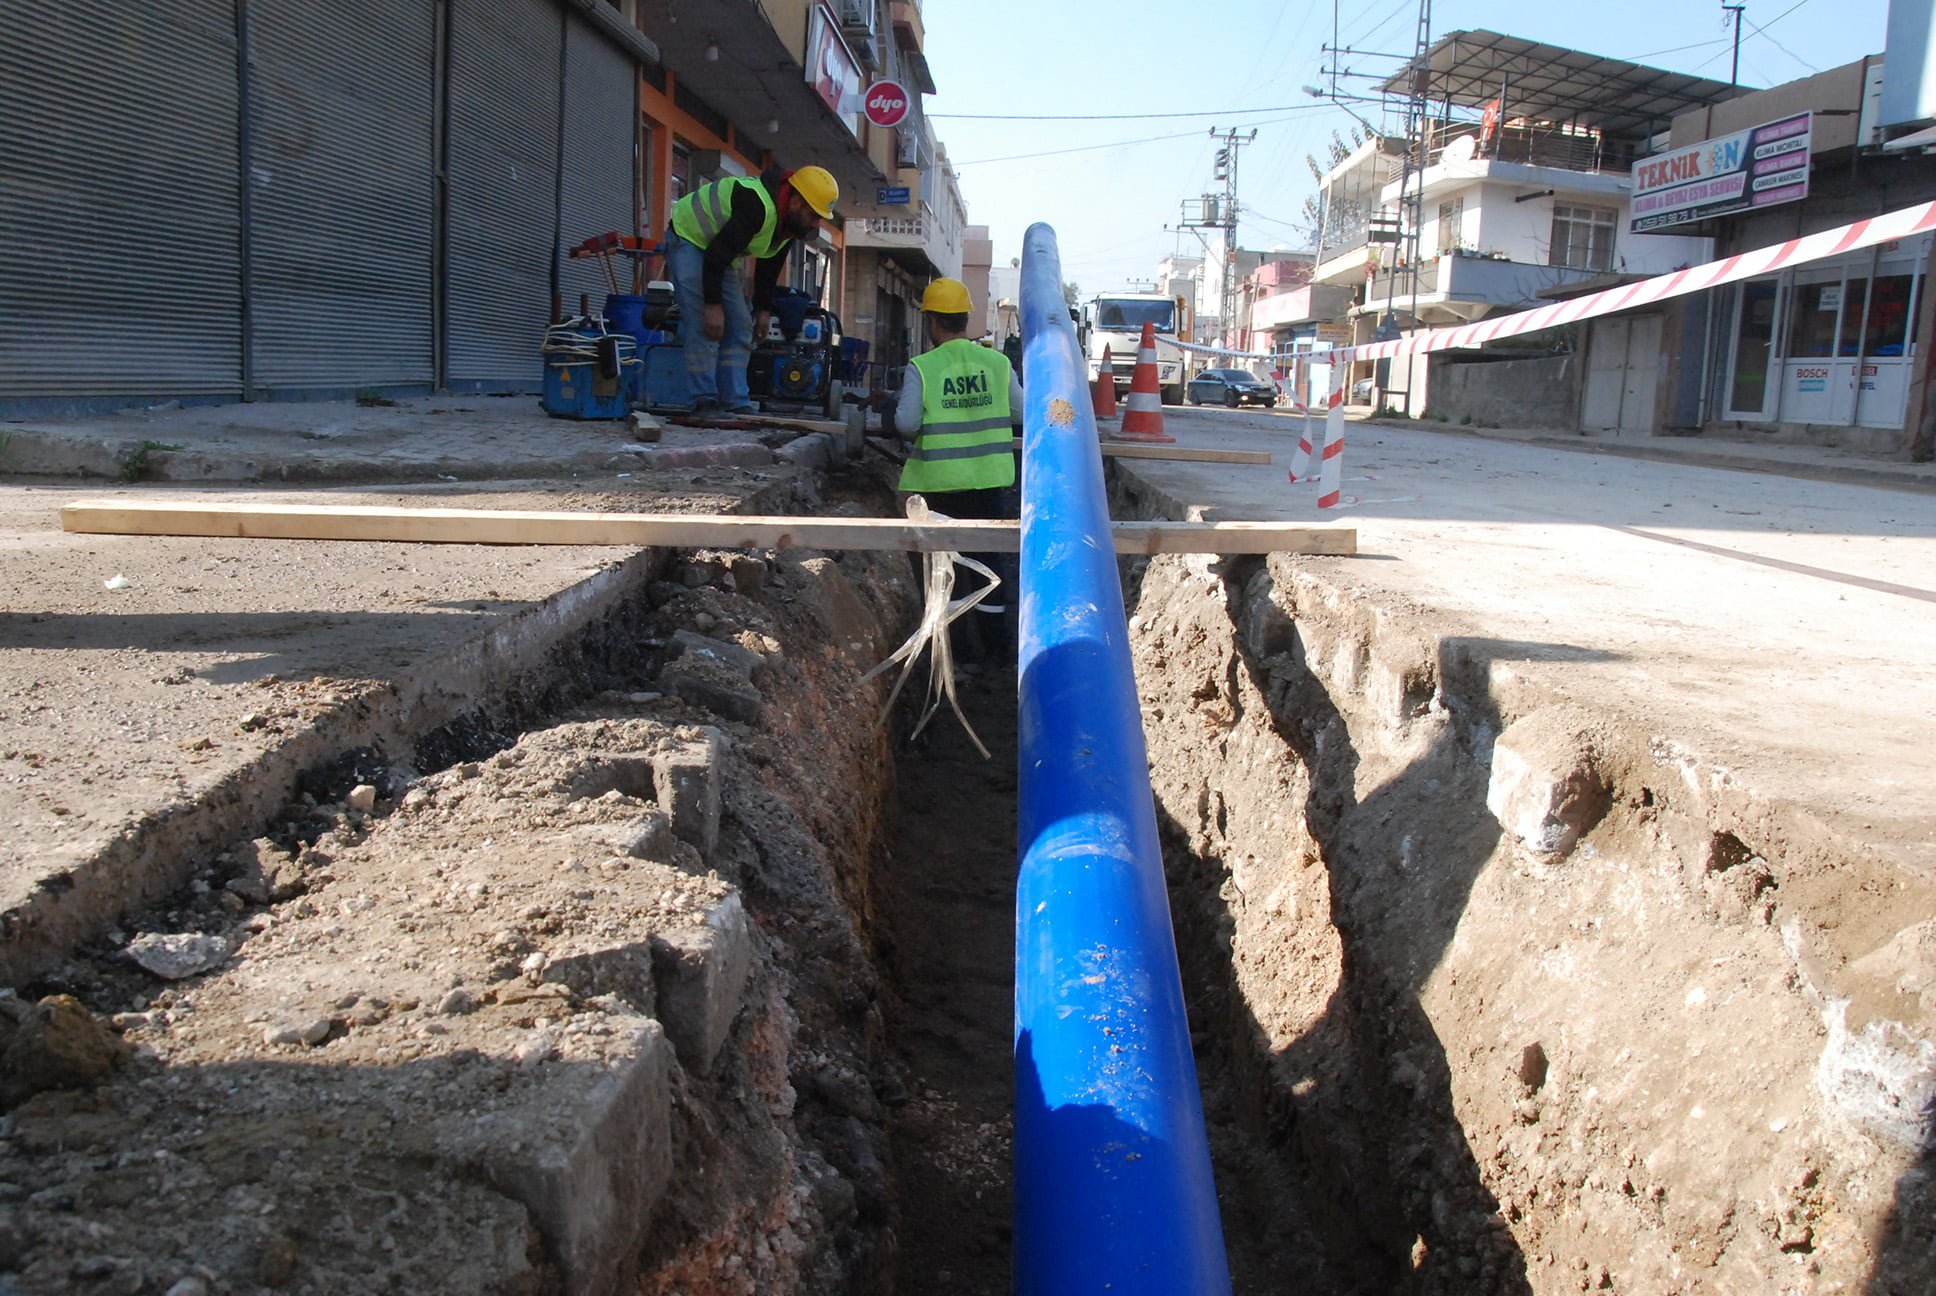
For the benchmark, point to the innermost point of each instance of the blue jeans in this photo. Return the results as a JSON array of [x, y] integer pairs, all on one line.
[[715, 371]]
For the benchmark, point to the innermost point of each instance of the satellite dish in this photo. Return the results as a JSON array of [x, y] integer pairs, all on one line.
[[1460, 149]]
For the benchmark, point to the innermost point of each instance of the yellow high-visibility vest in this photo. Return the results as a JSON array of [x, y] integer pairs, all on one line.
[[698, 216], [965, 421]]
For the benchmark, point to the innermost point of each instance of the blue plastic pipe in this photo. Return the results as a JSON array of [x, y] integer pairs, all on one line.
[[1113, 1189]]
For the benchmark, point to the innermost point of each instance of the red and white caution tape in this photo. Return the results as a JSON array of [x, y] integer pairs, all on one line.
[[1907, 222]]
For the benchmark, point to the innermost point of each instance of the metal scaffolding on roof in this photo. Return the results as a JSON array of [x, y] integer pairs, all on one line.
[[1552, 83]]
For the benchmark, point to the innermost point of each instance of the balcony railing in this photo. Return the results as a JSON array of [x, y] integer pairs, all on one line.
[[1546, 146], [1478, 280], [901, 231]]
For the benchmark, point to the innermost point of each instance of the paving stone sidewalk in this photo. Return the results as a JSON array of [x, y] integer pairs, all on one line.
[[454, 438]]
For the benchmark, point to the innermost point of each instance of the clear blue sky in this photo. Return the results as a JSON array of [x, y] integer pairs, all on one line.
[[1110, 202]]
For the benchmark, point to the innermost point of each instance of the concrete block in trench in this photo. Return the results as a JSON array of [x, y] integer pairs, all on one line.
[[647, 837], [701, 973], [813, 450], [687, 779], [1544, 786], [716, 675], [845, 617], [588, 1156], [743, 661]]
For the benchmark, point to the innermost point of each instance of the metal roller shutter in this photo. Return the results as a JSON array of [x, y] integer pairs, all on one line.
[[601, 119], [119, 233], [341, 152], [503, 197]]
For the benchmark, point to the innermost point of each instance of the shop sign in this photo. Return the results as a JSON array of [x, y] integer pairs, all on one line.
[[831, 68], [1762, 166], [887, 103]]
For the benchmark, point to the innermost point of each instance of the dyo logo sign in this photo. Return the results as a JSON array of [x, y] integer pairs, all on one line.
[[887, 103]]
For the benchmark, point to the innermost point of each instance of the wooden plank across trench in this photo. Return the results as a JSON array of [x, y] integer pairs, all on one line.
[[670, 530]]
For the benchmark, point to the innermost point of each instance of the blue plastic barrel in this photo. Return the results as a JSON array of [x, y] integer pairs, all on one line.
[[625, 313]]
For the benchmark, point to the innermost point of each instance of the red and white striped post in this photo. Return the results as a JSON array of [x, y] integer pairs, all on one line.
[[1331, 473]]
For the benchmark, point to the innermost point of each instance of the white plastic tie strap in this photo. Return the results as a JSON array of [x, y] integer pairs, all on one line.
[[939, 610]]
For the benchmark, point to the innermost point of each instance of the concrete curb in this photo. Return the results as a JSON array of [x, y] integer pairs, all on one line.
[[45, 916], [30, 452]]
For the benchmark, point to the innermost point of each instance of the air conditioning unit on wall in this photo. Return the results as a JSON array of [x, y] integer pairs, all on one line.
[[907, 148], [857, 19]]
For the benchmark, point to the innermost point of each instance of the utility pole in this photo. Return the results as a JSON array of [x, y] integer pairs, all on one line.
[[1734, 11], [1226, 171], [1200, 214], [1411, 205]]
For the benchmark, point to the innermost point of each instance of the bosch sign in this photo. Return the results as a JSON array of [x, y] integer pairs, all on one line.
[[887, 103]]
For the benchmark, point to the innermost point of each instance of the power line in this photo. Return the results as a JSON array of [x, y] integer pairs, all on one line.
[[1763, 31], [1086, 148], [1209, 112], [1251, 213], [1091, 148], [1263, 50], [1635, 58], [1783, 14], [1365, 34]]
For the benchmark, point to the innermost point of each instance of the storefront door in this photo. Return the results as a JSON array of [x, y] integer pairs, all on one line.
[[1750, 391], [1888, 340], [1828, 344], [1825, 309]]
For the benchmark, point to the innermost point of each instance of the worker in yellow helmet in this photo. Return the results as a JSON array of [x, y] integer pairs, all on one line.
[[961, 405], [713, 227]]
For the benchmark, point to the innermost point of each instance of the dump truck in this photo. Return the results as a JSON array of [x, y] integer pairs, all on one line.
[[1115, 321]]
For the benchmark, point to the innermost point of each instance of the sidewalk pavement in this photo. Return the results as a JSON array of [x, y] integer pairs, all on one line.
[[1813, 462], [414, 439], [474, 438]]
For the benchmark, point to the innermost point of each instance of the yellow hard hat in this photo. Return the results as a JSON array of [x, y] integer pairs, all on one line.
[[947, 297], [818, 186]]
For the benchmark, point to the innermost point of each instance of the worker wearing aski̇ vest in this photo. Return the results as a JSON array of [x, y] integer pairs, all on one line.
[[959, 403], [712, 228], [968, 404]]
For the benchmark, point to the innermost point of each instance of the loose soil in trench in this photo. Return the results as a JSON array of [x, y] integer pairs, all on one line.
[[946, 939]]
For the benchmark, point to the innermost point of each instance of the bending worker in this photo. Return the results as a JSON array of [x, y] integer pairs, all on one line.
[[960, 403], [712, 228]]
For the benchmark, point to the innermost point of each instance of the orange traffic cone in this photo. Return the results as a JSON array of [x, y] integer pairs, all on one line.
[[1102, 392], [1143, 415]]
